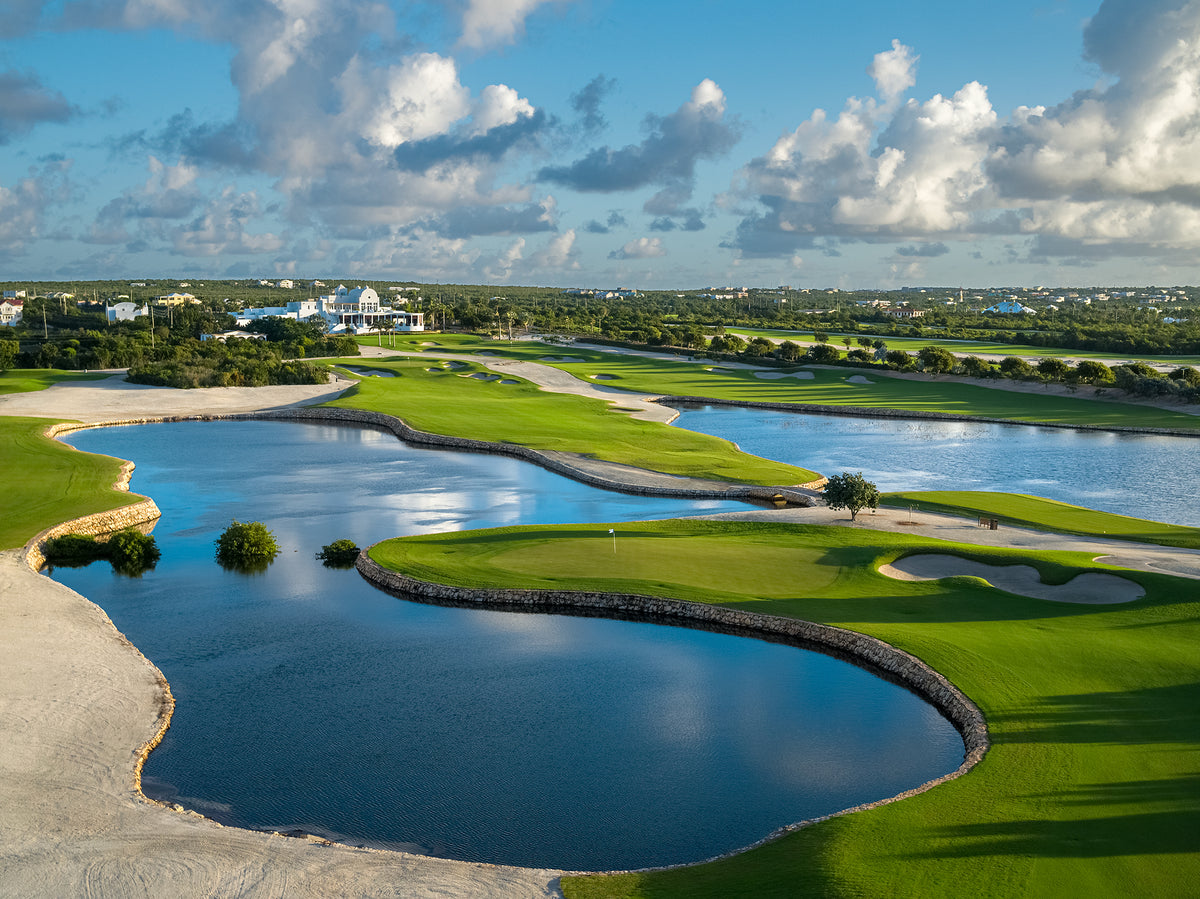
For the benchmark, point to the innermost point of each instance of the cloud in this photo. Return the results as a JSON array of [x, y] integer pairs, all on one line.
[[642, 248], [220, 229], [18, 17], [924, 250], [692, 220], [587, 102], [471, 221], [559, 254], [667, 157], [25, 203], [1106, 167], [490, 22], [24, 103], [615, 220]]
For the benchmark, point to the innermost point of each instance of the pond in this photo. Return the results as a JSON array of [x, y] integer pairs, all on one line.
[[1143, 475], [309, 700]]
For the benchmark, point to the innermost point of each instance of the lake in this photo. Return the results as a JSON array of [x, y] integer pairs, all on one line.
[[1143, 475], [309, 700]]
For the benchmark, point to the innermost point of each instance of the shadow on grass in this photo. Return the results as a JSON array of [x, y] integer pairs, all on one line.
[[1155, 715], [1148, 833]]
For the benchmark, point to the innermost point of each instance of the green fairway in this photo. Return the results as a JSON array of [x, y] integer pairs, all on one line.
[[828, 387], [49, 482], [27, 380], [450, 401], [1045, 514], [1090, 788], [965, 347]]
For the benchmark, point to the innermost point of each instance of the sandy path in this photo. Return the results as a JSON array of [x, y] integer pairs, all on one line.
[[1140, 556], [1092, 587]]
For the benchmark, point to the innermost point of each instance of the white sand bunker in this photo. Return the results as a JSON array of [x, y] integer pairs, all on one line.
[[484, 376], [560, 358], [455, 364], [776, 375], [371, 373], [604, 377], [858, 379], [1090, 587], [716, 368], [510, 381]]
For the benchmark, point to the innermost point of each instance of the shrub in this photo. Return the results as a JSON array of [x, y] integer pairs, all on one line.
[[246, 545], [1015, 367], [339, 554], [132, 552], [72, 550]]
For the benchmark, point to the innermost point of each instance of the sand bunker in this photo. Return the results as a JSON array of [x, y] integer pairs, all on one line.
[[604, 377], [858, 379], [560, 358], [370, 373], [484, 376], [510, 381], [1090, 587], [455, 364], [776, 375]]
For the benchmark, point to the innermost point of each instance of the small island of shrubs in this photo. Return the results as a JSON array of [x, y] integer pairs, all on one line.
[[130, 551], [246, 546]]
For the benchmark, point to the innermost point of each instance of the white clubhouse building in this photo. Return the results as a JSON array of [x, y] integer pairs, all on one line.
[[356, 311]]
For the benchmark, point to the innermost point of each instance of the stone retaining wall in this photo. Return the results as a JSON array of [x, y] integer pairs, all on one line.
[[873, 412], [98, 524], [868, 651]]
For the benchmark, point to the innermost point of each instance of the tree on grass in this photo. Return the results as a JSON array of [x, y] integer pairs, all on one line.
[[851, 491], [1053, 369], [246, 546], [936, 360]]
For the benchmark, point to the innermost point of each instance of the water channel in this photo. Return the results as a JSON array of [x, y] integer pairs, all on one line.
[[308, 700], [1143, 475]]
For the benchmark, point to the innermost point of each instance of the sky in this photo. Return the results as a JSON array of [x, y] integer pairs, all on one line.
[[603, 143]]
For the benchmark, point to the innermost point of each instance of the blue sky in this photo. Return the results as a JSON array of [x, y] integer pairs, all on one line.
[[603, 142]]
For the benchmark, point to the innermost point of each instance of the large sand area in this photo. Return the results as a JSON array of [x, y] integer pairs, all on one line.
[[79, 703]]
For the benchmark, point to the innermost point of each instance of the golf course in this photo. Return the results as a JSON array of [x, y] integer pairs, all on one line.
[[1090, 696]]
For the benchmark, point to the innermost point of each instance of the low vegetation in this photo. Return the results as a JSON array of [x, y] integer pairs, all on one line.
[[339, 554], [246, 546], [1089, 787], [130, 551]]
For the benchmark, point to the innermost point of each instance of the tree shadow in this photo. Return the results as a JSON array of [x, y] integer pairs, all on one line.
[[1154, 715]]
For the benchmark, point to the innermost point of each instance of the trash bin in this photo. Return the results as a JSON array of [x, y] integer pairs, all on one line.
[[994, 524]]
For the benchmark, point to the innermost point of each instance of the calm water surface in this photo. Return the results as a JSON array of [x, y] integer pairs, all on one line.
[[1144, 475], [307, 699]]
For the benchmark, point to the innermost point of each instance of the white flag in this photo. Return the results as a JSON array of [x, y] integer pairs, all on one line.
[[611, 531]]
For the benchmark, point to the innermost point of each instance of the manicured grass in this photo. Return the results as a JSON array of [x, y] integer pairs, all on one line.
[[1091, 785], [449, 401], [28, 380], [1046, 514], [47, 482], [828, 387], [965, 347]]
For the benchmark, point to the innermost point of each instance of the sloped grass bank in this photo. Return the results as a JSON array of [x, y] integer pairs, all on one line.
[[1023, 510], [450, 401], [47, 482], [1090, 787]]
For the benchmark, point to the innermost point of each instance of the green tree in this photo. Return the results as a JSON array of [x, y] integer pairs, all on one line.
[[820, 337], [1015, 367], [788, 351], [851, 491], [823, 354], [936, 360], [246, 545], [1092, 372], [8, 354], [339, 554], [1053, 369], [975, 367]]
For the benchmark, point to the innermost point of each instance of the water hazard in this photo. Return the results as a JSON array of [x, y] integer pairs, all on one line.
[[1143, 475], [309, 700]]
